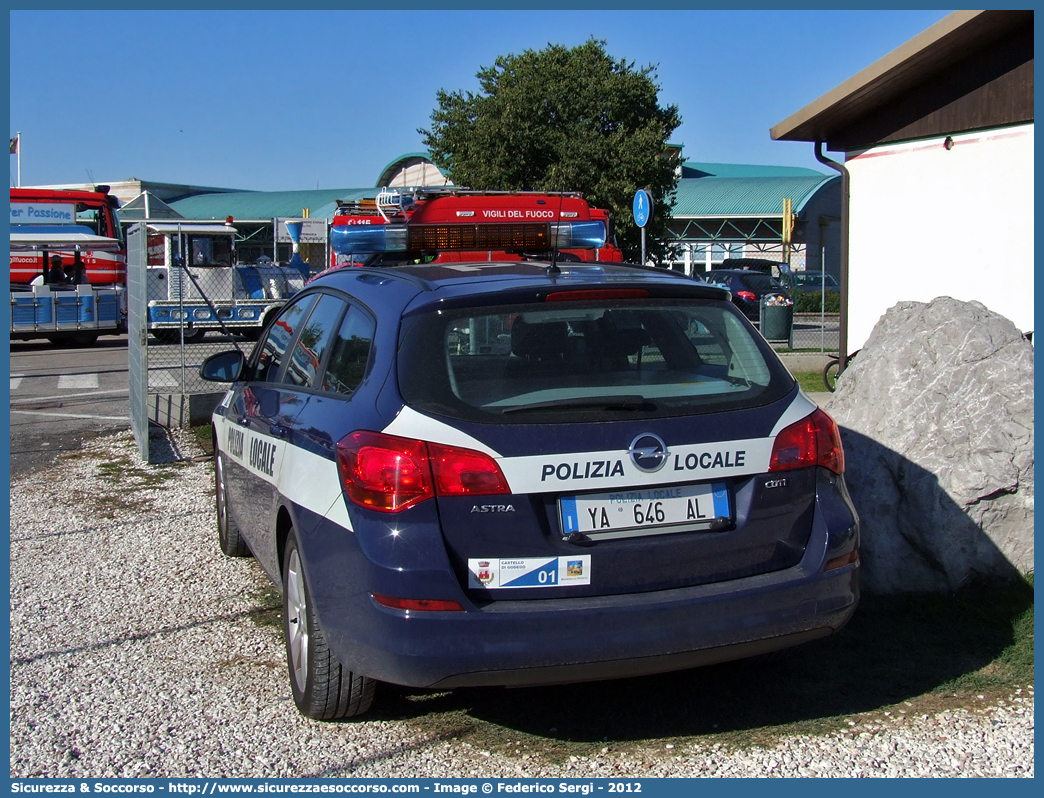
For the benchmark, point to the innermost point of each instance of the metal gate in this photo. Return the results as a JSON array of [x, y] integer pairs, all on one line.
[[137, 331], [163, 361]]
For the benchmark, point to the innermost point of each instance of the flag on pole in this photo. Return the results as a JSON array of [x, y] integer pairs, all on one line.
[[14, 144]]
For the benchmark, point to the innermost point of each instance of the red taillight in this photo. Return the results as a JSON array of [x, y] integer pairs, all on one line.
[[384, 472], [812, 441], [417, 605], [389, 473], [747, 295], [464, 472]]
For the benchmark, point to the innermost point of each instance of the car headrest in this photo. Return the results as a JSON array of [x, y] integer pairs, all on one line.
[[539, 341]]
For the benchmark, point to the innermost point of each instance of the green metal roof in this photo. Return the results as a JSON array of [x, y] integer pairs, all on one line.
[[702, 197], [698, 169], [393, 166], [321, 203], [722, 190]]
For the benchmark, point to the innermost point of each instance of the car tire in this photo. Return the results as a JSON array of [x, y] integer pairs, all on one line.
[[323, 689], [232, 543]]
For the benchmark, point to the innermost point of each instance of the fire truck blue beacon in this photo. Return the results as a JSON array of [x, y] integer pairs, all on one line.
[[476, 462]]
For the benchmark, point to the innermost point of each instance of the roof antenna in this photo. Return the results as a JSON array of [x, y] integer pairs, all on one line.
[[553, 270]]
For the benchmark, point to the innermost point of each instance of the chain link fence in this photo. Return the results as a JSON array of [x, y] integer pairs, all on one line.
[[187, 301]]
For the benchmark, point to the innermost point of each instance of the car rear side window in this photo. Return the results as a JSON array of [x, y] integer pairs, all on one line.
[[350, 353], [527, 363], [277, 340], [316, 334]]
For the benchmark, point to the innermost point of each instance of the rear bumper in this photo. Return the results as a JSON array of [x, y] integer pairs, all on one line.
[[664, 636], [547, 641]]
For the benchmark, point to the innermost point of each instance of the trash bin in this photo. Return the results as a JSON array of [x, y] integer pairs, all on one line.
[[776, 317]]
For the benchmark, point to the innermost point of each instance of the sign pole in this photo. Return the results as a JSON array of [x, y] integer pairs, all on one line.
[[642, 207]]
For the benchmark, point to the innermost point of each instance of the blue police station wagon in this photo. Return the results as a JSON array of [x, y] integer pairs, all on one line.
[[519, 473]]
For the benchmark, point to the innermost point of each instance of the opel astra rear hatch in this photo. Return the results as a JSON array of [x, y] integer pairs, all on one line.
[[616, 440]]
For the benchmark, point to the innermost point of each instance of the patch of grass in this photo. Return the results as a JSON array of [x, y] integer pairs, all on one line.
[[120, 484], [204, 436], [1014, 665], [899, 656], [810, 381], [269, 609]]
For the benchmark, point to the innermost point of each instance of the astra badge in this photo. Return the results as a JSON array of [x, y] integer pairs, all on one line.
[[648, 452]]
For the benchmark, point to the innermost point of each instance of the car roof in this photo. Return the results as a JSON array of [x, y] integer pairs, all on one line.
[[457, 280]]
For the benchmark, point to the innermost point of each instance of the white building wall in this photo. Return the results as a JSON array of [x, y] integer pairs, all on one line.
[[927, 221]]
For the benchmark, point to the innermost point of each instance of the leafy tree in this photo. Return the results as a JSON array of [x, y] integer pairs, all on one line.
[[563, 119]]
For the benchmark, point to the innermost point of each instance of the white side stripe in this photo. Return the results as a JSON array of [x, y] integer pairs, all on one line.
[[799, 408], [305, 478], [313, 482], [549, 473], [586, 471], [411, 424]]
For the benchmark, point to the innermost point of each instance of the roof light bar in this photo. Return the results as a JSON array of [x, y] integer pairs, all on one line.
[[364, 239], [578, 235], [440, 237]]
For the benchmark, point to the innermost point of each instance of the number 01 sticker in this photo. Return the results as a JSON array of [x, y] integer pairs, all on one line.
[[495, 573]]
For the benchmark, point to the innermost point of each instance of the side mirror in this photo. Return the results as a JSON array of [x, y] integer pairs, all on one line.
[[223, 367]]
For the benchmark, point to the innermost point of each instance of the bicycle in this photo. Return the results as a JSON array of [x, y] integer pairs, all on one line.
[[832, 370]]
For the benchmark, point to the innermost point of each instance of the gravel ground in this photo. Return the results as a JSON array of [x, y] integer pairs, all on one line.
[[136, 651]]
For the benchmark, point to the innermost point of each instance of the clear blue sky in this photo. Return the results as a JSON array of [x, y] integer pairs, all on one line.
[[273, 100]]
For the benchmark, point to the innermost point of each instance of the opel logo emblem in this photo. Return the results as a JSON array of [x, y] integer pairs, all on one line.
[[648, 452]]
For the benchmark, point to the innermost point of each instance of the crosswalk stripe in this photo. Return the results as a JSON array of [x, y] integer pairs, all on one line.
[[77, 381], [162, 379], [16, 380]]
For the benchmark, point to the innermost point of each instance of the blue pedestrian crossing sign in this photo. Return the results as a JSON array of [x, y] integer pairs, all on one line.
[[643, 206]]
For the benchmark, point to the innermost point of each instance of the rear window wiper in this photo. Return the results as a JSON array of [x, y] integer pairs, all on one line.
[[622, 402]]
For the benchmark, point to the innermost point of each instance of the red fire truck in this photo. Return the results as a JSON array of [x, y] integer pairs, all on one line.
[[84, 298], [451, 224], [58, 211]]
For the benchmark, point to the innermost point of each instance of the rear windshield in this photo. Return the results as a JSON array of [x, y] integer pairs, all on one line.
[[586, 361]]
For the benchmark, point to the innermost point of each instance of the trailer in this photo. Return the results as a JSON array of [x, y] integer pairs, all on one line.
[[68, 265], [68, 312], [194, 284]]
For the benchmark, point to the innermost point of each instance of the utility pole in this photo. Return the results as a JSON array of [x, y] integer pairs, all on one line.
[[787, 228]]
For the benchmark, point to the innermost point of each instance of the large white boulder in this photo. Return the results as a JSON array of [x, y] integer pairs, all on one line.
[[936, 416]]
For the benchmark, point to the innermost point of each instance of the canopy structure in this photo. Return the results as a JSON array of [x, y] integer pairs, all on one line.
[[189, 227], [147, 206]]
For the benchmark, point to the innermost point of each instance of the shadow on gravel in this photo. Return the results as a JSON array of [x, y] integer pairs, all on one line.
[[894, 649]]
